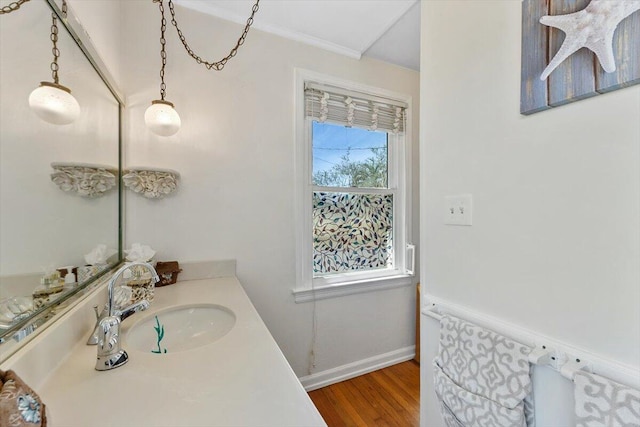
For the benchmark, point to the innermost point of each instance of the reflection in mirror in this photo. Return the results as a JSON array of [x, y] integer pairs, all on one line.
[[53, 243]]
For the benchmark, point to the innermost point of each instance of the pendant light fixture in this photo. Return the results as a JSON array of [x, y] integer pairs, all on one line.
[[161, 117], [53, 102]]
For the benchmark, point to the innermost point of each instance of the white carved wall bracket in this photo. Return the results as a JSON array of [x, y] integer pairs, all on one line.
[[152, 183], [84, 179]]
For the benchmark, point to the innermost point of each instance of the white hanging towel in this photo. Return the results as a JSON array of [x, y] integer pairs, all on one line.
[[482, 378], [601, 402]]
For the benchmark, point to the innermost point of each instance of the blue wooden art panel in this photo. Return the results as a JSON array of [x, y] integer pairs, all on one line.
[[580, 75]]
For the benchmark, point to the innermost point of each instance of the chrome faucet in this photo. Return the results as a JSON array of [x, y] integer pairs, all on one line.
[[110, 354]]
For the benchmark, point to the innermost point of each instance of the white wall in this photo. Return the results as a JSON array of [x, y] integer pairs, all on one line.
[[235, 153], [555, 241]]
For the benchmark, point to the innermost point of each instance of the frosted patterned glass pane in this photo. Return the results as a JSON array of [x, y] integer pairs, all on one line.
[[351, 232]]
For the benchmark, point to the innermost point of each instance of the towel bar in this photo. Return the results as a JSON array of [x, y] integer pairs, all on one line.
[[569, 369], [432, 312], [561, 356], [541, 356]]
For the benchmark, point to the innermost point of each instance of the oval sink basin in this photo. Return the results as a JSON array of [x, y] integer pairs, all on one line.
[[179, 329]]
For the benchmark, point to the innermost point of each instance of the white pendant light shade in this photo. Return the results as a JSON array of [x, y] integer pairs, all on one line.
[[54, 103], [161, 118]]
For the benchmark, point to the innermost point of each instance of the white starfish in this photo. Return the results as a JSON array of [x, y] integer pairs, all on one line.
[[593, 28]]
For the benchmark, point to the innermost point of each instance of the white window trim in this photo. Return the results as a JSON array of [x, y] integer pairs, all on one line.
[[350, 288], [309, 288]]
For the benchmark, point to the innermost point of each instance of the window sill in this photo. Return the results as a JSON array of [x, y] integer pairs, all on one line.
[[351, 288]]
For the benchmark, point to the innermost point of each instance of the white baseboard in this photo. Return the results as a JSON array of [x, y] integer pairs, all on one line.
[[361, 367]]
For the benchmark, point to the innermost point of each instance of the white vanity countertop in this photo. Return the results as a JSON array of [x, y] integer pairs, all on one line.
[[242, 379]]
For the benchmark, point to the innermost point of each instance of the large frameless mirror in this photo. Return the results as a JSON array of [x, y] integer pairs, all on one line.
[[60, 193]]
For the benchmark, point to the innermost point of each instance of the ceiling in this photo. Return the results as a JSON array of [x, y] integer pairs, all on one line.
[[388, 30]]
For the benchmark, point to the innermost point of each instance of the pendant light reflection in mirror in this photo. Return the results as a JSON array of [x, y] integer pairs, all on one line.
[[53, 102]]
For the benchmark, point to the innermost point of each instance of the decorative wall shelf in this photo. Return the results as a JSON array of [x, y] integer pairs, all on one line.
[[152, 183], [84, 179]]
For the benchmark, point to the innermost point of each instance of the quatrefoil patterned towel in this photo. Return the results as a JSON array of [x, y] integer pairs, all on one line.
[[602, 402], [482, 378], [19, 405]]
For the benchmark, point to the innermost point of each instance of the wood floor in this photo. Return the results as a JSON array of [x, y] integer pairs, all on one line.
[[388, 397]]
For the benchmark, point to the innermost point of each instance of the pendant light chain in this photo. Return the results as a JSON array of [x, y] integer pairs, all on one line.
[[54, 39], [161, 117], [218, 65], [163, 52], [12, 7], [56, 52]]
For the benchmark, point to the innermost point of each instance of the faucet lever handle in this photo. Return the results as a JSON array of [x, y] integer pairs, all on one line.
[[132, 309]]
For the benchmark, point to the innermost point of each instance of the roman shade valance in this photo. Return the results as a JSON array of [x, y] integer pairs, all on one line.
[[350, 108]]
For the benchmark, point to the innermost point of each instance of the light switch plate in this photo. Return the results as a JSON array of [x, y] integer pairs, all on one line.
[[458, 210]]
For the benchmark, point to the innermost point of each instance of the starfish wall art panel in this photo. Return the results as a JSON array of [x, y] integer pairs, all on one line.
[[575, 49]]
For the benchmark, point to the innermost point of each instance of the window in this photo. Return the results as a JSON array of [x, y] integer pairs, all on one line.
[[353, 185], [352, 201]]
